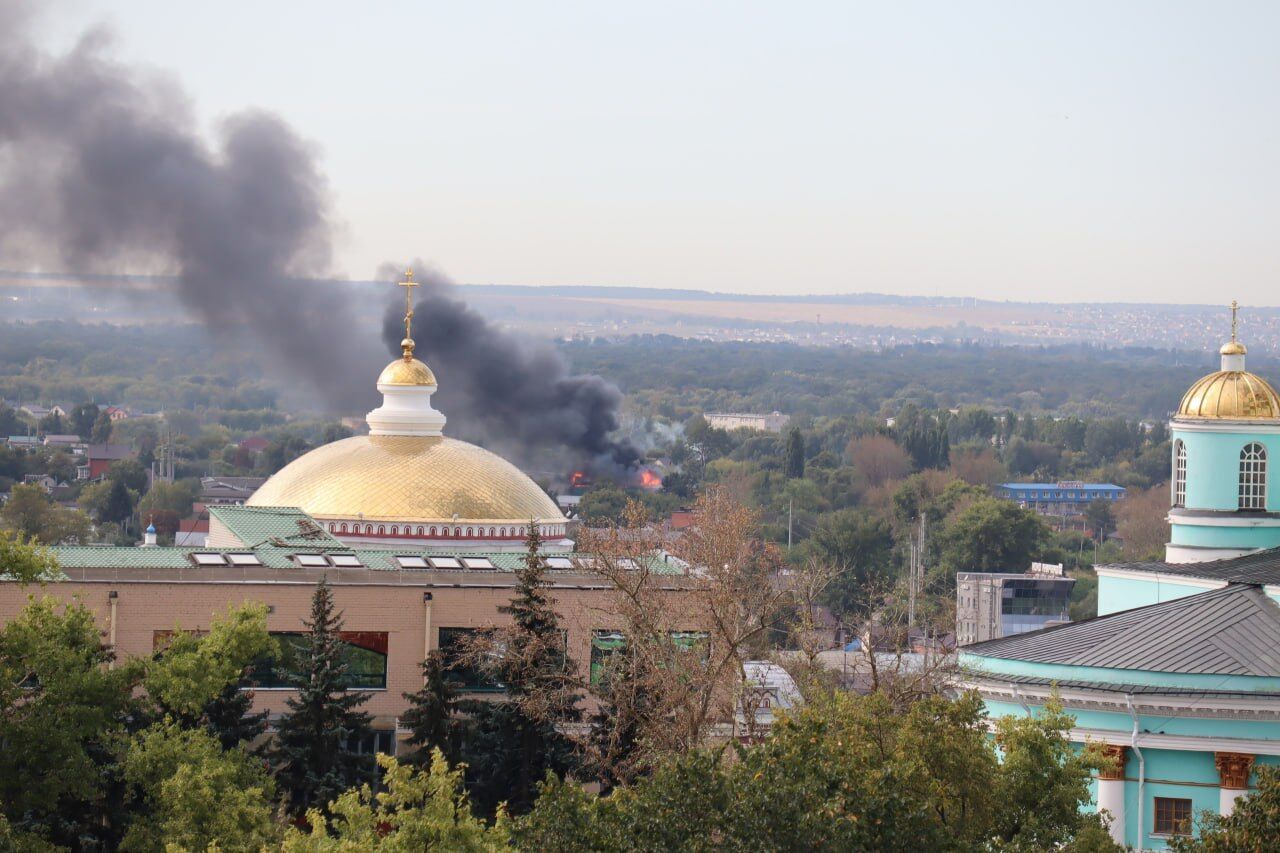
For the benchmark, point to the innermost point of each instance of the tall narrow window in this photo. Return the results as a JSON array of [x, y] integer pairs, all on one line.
[[1253, 476], [1179, 473]]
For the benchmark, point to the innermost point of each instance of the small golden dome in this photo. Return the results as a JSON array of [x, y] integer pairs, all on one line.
[[407, 478], [406, 371], [1230, 394], [1233, 348]]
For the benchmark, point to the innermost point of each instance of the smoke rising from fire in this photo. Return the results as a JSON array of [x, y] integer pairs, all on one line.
[[513, 394], [101, 169]]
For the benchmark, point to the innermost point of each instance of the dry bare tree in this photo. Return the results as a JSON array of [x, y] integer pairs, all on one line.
[[688, 632]]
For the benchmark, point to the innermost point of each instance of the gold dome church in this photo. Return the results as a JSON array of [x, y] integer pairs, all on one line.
[[417, 534], [407, 484]]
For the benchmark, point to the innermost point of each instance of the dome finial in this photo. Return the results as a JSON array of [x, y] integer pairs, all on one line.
[[1233, 351], [406, 346]]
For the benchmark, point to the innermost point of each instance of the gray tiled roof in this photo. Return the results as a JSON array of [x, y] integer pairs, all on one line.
[[1230, 631], [1259, 567]]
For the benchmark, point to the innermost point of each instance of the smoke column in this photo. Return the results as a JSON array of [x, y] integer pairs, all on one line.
[[506, 391], [100, 167]]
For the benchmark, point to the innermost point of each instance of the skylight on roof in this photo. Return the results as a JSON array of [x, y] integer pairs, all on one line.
[[445, 563], [346, 561], [559, 563], [244, 559], [204, 558], [311, 561], [477, 562], [412, 562]]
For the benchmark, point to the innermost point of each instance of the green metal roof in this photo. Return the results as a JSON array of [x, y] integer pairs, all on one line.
[[276, 535], [254, 525]]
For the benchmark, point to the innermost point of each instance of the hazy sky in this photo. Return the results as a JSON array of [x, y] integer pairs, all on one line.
[[1112, 151]]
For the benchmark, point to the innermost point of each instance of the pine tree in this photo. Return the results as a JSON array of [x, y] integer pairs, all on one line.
[[512, 743], [229, 717], [795, 454], [311, 754], [430, 717]]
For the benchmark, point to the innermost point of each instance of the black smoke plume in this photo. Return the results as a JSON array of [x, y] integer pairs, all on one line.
[[512, 394], [101, 168]]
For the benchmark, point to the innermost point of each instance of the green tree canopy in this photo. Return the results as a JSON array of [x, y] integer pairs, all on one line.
[[32, 513], [992, 535]]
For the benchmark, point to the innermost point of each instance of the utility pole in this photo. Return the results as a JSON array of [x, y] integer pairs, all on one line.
[[790, 506]]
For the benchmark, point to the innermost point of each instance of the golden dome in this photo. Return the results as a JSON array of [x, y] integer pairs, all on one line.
[[1233, 394], [406, 371], [407, 478], [1233, 348]]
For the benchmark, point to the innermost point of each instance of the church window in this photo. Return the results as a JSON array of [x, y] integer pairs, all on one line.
[[1179, 473], [1173, 816], [382, 529], [395, 530], [433, 532], [471, 532], [1253, 476], [343, 528], [368, 529], [419, 531]]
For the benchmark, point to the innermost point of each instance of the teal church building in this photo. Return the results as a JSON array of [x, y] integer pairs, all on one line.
[[1179, 674]]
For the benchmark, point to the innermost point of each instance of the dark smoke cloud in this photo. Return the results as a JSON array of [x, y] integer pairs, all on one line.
[[100, 169], [505, 391]]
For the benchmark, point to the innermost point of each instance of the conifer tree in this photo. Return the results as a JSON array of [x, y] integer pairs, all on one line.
[[311, 754], [512, 743], [430, 718], [795, 454]]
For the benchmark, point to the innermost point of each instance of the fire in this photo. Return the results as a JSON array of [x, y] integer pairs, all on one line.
[[649, 480], [579, 479]]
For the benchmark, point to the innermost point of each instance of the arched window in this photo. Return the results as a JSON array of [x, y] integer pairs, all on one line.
[[1179, 473], [382, 530], [419, 531], [395, 530], [344, 527], [1253, 476], [433, 532]]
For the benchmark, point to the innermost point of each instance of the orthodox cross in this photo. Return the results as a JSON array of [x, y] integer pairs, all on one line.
[[408, 284], [1234, 308]]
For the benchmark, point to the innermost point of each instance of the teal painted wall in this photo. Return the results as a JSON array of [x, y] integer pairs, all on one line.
[[1211, 536], [1213, 467], [1115, 594]]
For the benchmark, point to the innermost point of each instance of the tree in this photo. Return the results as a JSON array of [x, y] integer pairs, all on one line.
[[1043, 781], [1254, 825], [862, 546], [795, 454], [417, 810], [312, 754], [196, 795], [172, 497], [878, 459], [1143, 522], [130, 473], [62, 714], [844, 772], [32, 513], [83, 417], [25, 561], [429, 718], [102, 428], [110, 501], [52, 424], [605, 502], [512, 743], [992, 535], [1100, 518]]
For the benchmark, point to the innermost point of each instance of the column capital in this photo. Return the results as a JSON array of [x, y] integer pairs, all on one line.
[[1234, 769], [1115, 755]]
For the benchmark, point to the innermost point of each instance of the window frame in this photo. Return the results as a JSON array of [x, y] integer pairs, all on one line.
[[1172, 816], [1252, 484], [1180, 473]]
